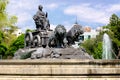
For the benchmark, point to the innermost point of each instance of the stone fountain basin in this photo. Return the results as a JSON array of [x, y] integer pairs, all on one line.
[[60, 69]]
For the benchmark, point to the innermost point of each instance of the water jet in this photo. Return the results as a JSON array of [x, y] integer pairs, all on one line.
[[107, 47]]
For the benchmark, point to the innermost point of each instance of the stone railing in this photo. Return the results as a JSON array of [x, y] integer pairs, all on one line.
[[65, 69]]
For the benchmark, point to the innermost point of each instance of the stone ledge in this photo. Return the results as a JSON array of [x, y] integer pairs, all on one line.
[[56, 78], [52, 68], [61, 61]]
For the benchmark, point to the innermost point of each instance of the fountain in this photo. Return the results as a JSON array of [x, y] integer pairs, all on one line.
[[107, 47], [51, 44], [58, 63]]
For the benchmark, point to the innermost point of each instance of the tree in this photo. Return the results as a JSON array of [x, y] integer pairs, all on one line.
[[7, 28], [3, 14], [7, 23], [114, 20], [114, 32], [1, 37], [114, 26], [15, 45]]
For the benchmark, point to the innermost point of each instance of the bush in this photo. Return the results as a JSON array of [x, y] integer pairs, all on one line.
[[3, 49], [93, 47], [98, 51], [17, 44]]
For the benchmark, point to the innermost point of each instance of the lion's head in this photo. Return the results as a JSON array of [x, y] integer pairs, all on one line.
[[76, 30], [73, 34], [60, 31]]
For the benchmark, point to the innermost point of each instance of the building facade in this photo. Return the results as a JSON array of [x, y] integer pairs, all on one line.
[[88, 34]]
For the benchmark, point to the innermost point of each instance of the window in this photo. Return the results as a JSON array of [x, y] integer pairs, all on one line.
[[81, 38], [89, 36]]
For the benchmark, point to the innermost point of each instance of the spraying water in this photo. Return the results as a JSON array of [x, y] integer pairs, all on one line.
[[107, 47]]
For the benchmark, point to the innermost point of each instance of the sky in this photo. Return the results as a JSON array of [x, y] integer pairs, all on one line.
[[92, 13]]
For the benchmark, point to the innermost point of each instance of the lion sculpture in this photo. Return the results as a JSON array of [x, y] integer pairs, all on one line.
[[58, 37], [73, 34]]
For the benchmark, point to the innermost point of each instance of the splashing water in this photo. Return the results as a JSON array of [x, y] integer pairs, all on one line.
[[107, 47]]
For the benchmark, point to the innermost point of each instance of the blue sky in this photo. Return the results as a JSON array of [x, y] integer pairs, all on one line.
[[93, 13]]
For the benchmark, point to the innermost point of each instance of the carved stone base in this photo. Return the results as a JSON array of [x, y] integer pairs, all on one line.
[[54, 53]]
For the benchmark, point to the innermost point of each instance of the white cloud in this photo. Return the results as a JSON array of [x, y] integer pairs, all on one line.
[[52, 6], [114, 8], [28, 27], [23, 4], [24, 10], [52, 26], [24, 17], [92, 13]]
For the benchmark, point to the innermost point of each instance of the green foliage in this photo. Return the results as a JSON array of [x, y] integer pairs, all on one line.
[[94, 47], [3, 4], [7, 27], [88, 45], [3, 49], [1, 37], [114, 32], [18, 43], [114, 26], [98, 51], [3, 14], [114, 20], [6, 21], [11, 24]]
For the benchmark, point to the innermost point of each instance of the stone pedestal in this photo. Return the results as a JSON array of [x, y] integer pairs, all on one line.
[[59, 69]]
